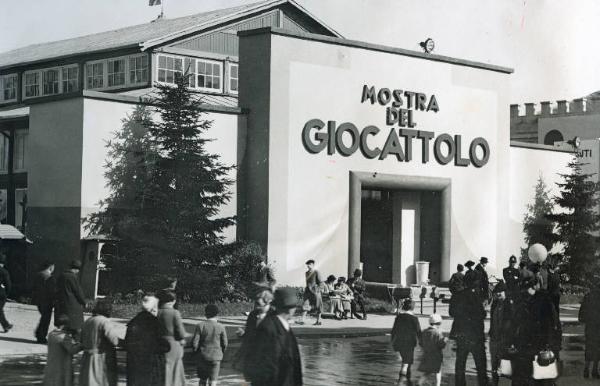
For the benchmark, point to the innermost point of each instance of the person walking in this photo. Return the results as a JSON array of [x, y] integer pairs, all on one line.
[[358, 287], [277, 359], [312, 293], [468, 330], [146, 346], [245, 356], [511, 275], [209, 344], [175, 334], [70, 300], [484, 281], [61, 348], [589, 314], [499, 332], [406, 333], [43, 296], [5, 287], [99, 340], [433, 343]]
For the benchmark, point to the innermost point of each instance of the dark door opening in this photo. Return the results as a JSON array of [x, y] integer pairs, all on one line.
[[376, 235]]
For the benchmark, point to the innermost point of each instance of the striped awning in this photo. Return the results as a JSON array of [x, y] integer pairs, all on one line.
[[9, 232]]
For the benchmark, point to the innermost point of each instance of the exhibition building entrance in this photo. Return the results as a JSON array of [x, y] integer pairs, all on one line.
[[398, 221]]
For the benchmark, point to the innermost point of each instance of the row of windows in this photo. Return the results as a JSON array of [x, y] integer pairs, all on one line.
[[127, 71], [206, 75], [19, 152]]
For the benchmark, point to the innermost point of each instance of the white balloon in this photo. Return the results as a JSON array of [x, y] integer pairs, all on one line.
[[537, 253]]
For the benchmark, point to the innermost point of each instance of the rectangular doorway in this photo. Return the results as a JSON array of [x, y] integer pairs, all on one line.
[[396, 221]]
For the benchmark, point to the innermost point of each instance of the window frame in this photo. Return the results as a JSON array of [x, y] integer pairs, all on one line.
[[129, 70], [110, 62], [23, 134], [230, 78], [40, 78], [15, 83], [167, 57], [220, 90], [56, 83], [63, 80], [126, 71], [38, 75]]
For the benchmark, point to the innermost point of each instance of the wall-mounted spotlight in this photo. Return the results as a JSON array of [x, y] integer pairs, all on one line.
[[428, 45]]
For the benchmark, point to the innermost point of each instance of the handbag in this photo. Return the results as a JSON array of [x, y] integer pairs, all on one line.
[[505, 368], [544, 372]]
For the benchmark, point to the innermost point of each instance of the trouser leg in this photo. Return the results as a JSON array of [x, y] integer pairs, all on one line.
[[45, 315], [461, 362], [478, 351], [3, 320]]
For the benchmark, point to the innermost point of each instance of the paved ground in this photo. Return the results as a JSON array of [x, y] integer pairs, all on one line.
[[24, 359]]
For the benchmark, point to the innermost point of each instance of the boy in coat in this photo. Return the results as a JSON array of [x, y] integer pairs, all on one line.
[[406, 333], [210, 343], [433, 343], [61, 347], [277, 357]]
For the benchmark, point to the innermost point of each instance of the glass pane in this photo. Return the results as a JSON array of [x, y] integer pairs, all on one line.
[[234, 71], [201, 81], [170, 77], [209, 83], [144, 76], [162, 61], [169, 63], [161, 75], [217, 83], [234, 85], [201, 67], [178, 65]]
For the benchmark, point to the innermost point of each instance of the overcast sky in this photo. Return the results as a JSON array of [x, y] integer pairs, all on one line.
[[551, 44]]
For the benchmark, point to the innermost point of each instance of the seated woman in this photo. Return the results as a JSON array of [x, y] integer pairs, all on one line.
[[345, 293], [334, 299]]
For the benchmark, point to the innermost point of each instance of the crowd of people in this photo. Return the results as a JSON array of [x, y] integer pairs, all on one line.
[[524, 335]]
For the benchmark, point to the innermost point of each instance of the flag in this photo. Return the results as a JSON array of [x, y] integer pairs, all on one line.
[[153, 2]]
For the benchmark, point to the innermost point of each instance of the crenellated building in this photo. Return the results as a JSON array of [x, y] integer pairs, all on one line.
[[551, 122]]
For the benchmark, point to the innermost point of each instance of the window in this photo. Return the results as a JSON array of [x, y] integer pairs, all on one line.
[[20, 144], [189, 68], [116, 72], [50, 82], [3, 153], [70, 79], [168, 68], [233, 78], [8, 87], [138, 69], [553, 136], [32, 84], [20, 208], [209, 75], [95, 75]]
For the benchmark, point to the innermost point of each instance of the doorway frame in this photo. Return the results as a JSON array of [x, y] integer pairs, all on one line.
[[373, 180]]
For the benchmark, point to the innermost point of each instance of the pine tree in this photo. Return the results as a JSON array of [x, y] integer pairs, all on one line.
[[576, 223], [166, 189], [538, 228]]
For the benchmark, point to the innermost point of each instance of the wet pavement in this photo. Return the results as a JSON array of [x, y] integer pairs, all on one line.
[[328, 361]]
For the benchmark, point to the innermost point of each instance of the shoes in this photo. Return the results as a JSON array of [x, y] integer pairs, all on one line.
[[317, 323], [8, 327], [364, 317]]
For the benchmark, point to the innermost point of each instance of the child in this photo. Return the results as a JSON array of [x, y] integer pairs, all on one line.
[[405, 335], [433, 343], [209, 342], [61, 347]]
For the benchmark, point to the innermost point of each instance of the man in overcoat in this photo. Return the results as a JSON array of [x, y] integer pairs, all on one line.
[[511, 277], [277, 357], [5, 287], [484, 281], [43, 296], [70, 300]]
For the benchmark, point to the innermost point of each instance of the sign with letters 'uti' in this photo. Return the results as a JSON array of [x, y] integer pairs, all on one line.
[[400, 107]]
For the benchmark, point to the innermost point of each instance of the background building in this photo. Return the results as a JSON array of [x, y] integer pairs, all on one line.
[[438, 183]]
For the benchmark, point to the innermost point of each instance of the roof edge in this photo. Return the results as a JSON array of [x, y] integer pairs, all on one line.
[[376, 47], [104, 96], [539, 146]]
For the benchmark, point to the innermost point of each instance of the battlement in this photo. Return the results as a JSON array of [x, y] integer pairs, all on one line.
[[577, 106]]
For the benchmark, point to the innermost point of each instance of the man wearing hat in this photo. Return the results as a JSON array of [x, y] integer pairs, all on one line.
[[484, 281], [512, 276], [5, 286], [70, 300], [277, 357], [500, 317]]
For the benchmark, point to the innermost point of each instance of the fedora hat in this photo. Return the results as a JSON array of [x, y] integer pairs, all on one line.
[[285, 298], [469, 263]]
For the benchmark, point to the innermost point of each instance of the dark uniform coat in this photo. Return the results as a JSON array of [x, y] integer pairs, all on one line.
[[276, 356], [70, 300], [589, 313], [511, 278], [145, 347], [484, 282]]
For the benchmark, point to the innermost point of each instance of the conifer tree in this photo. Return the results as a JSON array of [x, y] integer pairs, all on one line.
[[576, 223], [538, 228]]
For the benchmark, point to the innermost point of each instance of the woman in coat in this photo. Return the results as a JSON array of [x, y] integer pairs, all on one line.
[[406, 333], [334, 299], [175, 334], [345, 293], [99, 339], [61, 347], [146, 347], [589, 313]]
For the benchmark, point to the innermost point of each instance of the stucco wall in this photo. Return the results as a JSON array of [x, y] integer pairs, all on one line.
[[54, 180], [584, 126], [309, 193], [526, 166], [101, 118]]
